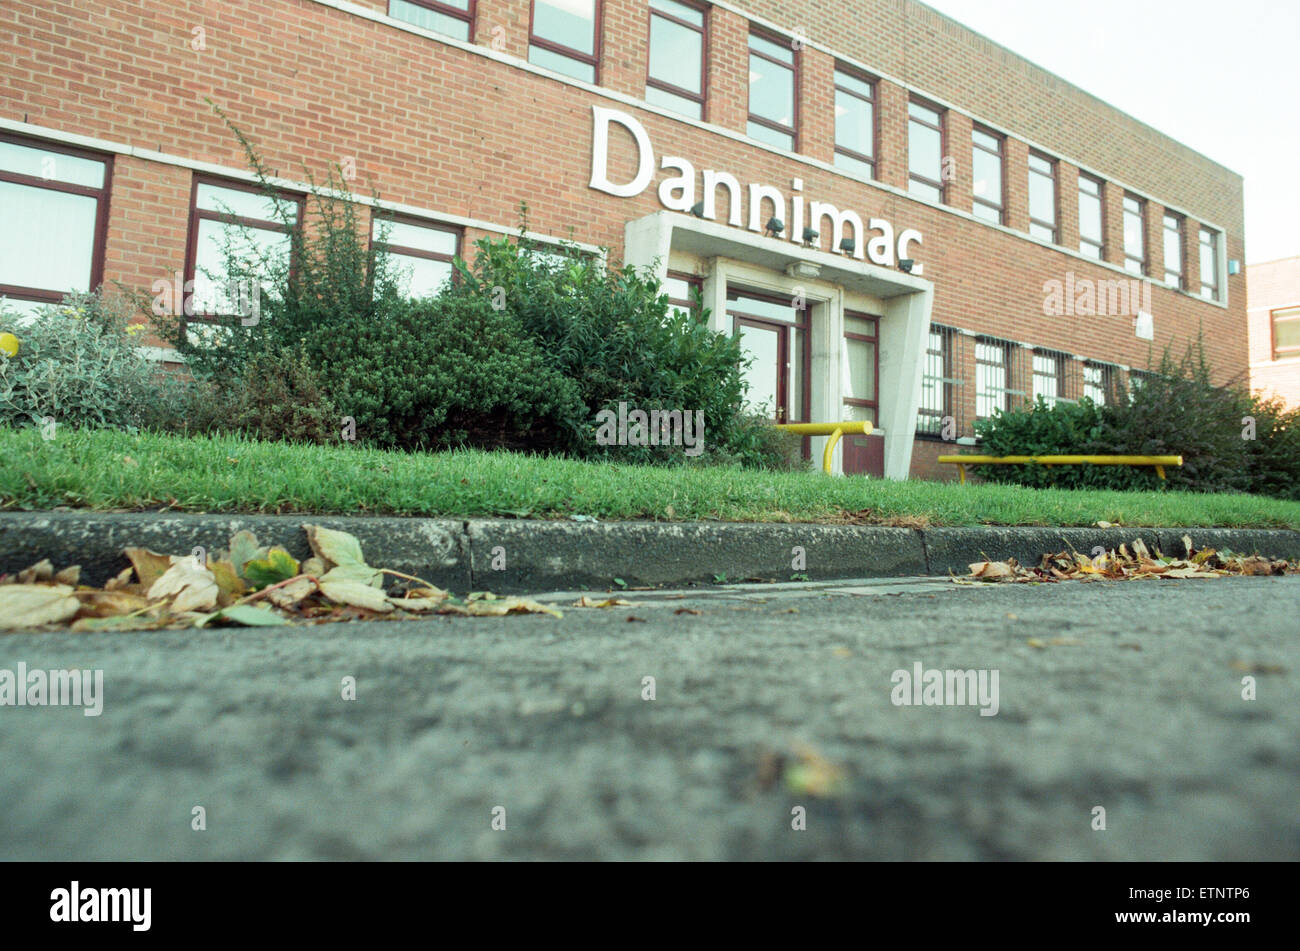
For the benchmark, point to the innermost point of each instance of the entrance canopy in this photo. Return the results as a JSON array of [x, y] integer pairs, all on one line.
[[729, 258]]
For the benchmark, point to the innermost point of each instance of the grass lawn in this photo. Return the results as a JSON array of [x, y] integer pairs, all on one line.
[[110, 470]]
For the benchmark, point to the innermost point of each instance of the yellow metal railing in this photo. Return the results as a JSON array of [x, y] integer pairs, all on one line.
[[834, 430], [961, 462]]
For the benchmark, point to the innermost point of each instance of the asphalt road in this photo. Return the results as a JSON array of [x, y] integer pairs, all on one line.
[[1133, 702]]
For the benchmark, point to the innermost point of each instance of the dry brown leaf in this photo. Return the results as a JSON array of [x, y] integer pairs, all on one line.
[[290, 594], [356, 594], [41, 571], [687, 611], [31, 605], [121, 581], [230, 586], [586, 602], [503, 606], [195, 588], [1140, 549], [110, 603], [149, 565], [70, 575]]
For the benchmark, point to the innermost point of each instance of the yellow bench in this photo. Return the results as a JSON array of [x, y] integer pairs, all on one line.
[[834, 430], [961, 462]]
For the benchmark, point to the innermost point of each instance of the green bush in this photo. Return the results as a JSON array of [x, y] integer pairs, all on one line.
[[446, 372], [1175, 411], [78, 364], [281, 397], [1274, 453], [613, 333]]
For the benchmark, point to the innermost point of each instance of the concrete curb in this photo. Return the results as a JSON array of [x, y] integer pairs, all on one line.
[[511, 556]]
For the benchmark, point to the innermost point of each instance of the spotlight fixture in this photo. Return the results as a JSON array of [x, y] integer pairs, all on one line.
[[848, 246], [905, 265], [774, 227], [810, 237], [698, 209]]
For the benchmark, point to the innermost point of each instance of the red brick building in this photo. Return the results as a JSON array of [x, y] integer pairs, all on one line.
[[672, 132], [1275, 329]]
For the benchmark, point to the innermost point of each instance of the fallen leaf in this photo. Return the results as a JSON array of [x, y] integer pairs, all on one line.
[[31, 605], [195, 588], [277, 566], [1035, 642], [70, 575], [149, 565], [110, 603], [1243, 667], [246, 615], [639, 620], [243, 549], [586, 602], [687, 611], [356, 594], [230, 586], [289, 595], [502, 606], [841, 652], [814, 775], [41, 571], [119, 623], [122, 579]]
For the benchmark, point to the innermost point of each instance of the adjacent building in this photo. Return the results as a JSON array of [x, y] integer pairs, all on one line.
[[1275, 329], [905, 222]]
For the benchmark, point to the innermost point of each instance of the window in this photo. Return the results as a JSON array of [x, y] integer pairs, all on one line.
[[861, 367], [565, 36], [925, 152], [451, 17], [420, 253], [1209, 264], [239, 223], [1049, 376], [992, 377], [986, 166], [1286, 333], [1092, 229], [1136, 380], [772, 109], [1135, 239], [1042, 197], [54, 205], [1174, 251], [1096, 382], [676, 72], [937, 382], [855, 123], [682, 290]]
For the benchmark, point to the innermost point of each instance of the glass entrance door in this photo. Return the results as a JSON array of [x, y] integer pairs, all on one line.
[[774, 333], [765, 346]]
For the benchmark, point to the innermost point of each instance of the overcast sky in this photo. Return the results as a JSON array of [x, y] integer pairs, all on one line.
[[1222, 78]]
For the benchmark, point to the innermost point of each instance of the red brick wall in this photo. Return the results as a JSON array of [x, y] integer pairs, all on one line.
[[434, 126]]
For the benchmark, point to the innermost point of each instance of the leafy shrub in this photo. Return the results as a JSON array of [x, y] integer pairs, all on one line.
[[446, 372], [78, 364], [1175, 411], [1274, 459], [281, 397], [613, 333]]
